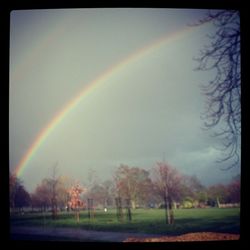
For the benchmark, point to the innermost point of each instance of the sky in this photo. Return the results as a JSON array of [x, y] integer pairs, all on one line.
[[145, 111]]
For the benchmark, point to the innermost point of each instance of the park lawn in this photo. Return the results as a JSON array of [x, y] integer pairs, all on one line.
[[226, 220]]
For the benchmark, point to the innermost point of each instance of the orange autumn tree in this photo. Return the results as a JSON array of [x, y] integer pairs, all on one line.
[[75, 202]]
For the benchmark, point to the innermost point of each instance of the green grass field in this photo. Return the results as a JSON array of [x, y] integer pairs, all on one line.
[[225, 220]]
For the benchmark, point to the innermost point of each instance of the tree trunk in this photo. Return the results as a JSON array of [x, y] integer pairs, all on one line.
[[218, 202], [133, 205], [129, 215], [77, 215], [119, 211], [174, 205], [171, 211], [166, 205]]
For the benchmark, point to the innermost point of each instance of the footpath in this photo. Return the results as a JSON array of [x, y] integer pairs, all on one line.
[[72, 234]]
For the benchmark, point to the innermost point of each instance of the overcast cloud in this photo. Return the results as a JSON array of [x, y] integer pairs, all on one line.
[[147, 112]]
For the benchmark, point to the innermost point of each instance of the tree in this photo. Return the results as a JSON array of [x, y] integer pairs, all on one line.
[[234, 191], [133, 183], [22, 198], [227, 193], [223, 93], [93, 178], [14, 182], [42, 195], [97, 193], [46, 192], [167, 182], [75, 201], [18, 195], [217, 194], [109, 188], [53, 182], [193, 190], [62, 192], [102, 193], [35, 201]]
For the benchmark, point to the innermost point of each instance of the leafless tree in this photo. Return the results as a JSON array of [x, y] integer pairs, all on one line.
[[223, 107], [167, 184], [133, 183], [53, 181]]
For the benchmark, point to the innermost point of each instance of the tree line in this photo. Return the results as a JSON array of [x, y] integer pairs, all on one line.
[[162, 187]]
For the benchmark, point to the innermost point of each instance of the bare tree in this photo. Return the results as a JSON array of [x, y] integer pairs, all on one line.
[[167, 183], [53, 181], [52, 192], [133, 183], [62, 192], [42, 195], [223, 55]]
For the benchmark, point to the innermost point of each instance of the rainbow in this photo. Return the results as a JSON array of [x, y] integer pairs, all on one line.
[[90, 88]]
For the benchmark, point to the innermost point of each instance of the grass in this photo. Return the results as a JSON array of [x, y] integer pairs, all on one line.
[[226, 220]]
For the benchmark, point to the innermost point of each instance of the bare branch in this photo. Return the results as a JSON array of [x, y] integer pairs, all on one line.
[[223, 93]]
